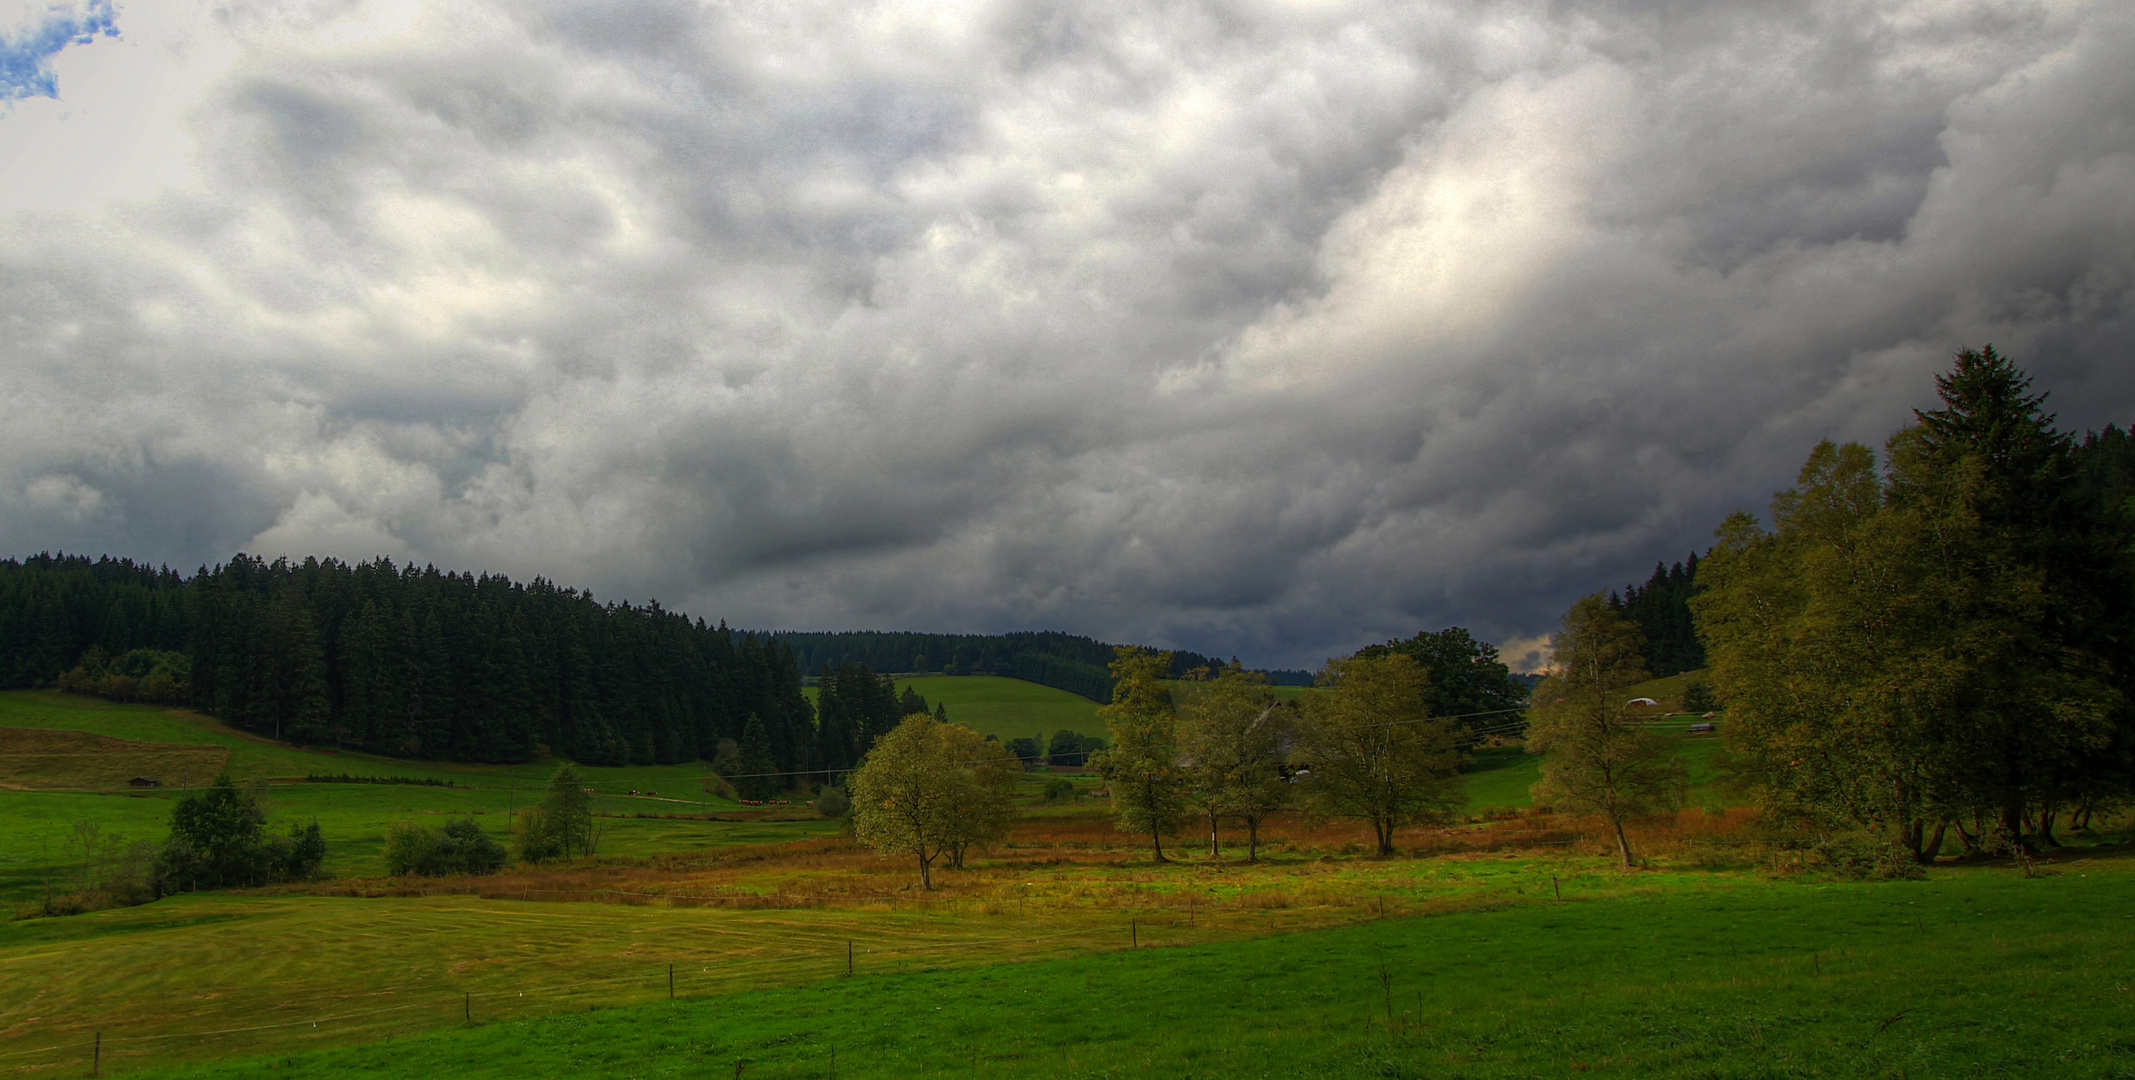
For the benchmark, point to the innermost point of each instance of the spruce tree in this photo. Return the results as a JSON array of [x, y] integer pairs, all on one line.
[[757, 779]]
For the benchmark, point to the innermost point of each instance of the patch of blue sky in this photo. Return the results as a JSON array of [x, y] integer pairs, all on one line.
[[26, 56]]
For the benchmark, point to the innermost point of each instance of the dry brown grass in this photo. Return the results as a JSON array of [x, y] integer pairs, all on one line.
[[39, 759], [1083, 866]]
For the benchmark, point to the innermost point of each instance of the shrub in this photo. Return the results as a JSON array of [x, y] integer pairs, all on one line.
[[1058, 788], [536, 842], [140, 675], [833, 803], [1859, 857], [217, 841], [1697, 698], [461, 847]]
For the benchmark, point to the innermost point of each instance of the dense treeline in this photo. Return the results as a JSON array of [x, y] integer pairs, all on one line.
[[414, 662], [423, 663], [55, 608], [2105, 468], [1068, 662], [1661, 610]]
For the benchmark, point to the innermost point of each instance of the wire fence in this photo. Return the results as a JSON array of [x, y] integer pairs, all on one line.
[[101, 1049]]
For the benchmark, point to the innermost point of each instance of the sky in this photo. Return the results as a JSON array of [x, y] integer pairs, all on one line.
[[1258, 328]]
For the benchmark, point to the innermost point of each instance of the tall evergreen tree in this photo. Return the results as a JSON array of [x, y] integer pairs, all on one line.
[[757, 777], [1661, 610]]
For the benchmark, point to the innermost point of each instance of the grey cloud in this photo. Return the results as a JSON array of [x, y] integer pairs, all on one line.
[[1243, 327]]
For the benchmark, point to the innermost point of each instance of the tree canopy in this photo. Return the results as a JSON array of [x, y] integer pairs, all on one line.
[[1599, 755], [1141, 767], [929, 789], [1369, 748], [1943, 641], [1463, 677]]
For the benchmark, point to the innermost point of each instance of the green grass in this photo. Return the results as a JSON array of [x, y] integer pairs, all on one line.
[[1499, 776], [35, 826], [1011, 708], [1008, 708], [1978, 972], [1669, 691]]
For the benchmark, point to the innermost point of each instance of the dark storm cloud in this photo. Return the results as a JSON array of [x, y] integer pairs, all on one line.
[[1247, 327]]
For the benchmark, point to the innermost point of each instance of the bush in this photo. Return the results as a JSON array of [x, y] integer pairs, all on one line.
[[1859, 857], [461, 847], [1697, 698], [833, 803], [140, 675], [1058, 788], [535, 840], [217, 841]]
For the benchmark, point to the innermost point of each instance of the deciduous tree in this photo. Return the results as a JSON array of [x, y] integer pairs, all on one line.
[[919, 784], [1597, 756], [1233, 735], [1370, 750], [1141, 767]]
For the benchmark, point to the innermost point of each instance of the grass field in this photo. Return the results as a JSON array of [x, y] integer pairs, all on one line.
[[1008, 708], [179, 746], [1011, 708], [1280, 959], [1978, 971], [1504, 947]]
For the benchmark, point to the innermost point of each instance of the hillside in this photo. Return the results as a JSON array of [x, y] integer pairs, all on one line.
[[43, 795]]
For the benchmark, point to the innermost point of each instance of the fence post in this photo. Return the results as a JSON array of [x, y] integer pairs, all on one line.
[[467, 1006], [848, 960], [96, 1063], [1134, 933], [1559, 888], [670, 982]]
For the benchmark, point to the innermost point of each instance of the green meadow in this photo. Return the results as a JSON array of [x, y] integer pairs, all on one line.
[[36, 826], [1061, 952], [1006, 708], [1976, 972]]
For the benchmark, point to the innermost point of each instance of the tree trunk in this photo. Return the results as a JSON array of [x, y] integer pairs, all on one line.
[[1385, 832], [2046, 817], [1252, 839], [1623, 846], [2015, 824], [926, 878], [1156, 840], [1215, 844], [1925, 854]]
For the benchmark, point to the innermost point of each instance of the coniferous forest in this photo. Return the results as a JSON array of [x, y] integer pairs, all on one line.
[[415, 662], [1661, 608], [418, 662]]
